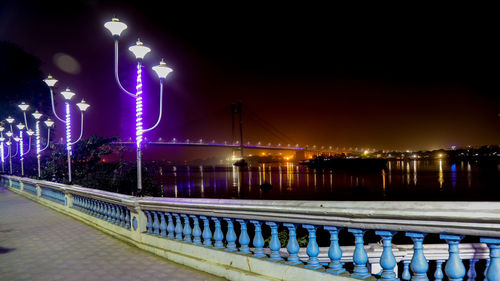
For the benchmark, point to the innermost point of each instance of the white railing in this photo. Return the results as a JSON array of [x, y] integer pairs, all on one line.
[[238, 228]]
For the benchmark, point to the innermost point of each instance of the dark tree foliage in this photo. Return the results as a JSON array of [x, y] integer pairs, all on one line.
[[89, 169], [21, 80]]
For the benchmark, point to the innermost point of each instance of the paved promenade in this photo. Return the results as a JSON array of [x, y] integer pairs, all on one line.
[[37, 243]]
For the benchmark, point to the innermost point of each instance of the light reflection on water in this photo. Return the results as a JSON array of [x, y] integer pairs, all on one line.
[[402, 180]]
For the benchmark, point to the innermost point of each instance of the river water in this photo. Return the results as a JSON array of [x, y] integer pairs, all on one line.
[[421, 180]]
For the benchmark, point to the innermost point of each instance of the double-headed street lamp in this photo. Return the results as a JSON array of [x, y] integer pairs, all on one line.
[[83, 106], [162, 70]]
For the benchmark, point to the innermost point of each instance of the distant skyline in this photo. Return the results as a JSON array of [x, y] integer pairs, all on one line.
[[414, 80]]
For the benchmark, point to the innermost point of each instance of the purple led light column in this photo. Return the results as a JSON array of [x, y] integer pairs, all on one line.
[[21, 151], [37, 132], [138, 125], [68, 139], [2, 152]]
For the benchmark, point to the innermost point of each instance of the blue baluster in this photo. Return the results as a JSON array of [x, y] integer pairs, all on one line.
[[360, 258], [387, 259], [258, 240], [230, 236], [207, 233], [485, 273], [292, 246], [334, 253], [112, 213], [116, 213], [274, 244], [156, 223], [196, 230], [170, 226], [149, 224], [178, 227], [244, 239], [419, 265], [493, 272], [471, 273], [122, 217], [102, 214], [312, 247], [107, 211], [438, 275], [454, 269], [406, 270], [163, 224], [218, 235], [127, 218], [187, 228]]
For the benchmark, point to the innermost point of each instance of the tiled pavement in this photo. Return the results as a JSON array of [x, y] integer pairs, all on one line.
[[37, 243]]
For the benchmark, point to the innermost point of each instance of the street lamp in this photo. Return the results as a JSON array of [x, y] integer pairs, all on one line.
[[21, 127], [2, 140], [49, 123], [9, 134], [67, 94], [162, 70]]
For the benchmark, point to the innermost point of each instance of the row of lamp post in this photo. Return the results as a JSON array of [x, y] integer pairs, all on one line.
[[140, 51]]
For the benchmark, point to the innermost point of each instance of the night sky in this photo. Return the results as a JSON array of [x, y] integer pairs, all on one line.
[[407, 79]]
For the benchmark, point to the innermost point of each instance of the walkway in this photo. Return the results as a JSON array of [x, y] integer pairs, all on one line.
[[37, 243]]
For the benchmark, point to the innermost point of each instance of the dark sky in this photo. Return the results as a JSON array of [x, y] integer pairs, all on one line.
[[400, 78]]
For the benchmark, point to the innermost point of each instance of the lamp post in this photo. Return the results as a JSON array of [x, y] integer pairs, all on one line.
[[49, 123], [2, 152], [140, 51], [83, 106], [21, 127], [10, 120]]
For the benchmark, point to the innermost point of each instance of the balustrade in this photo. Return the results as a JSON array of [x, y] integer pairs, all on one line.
[[248, 233]]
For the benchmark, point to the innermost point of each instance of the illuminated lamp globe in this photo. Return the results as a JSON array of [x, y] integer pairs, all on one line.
[[9, 120], [116, 27], [83, 105], [8, 142], [23, 106], [50, 81], [49, 123], [20, 126], [37, 115], [2, 129], [2, 139], [9, 134], [17, 139], [30, 132], [162, 70], [139, 50], [67, 94]]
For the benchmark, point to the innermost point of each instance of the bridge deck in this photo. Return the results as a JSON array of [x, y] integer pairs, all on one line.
[[37, 243]]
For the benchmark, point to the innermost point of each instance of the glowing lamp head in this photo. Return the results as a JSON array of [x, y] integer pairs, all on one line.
[[139, 50], [116, 27], [67, 94], [9, 120], [9, 134], [49, 123], [20, 126], [16, 138], [50, 81], [37, 115], [83, 105], [2, 129], [8, 142], [23, 106], [162, 70], [2, 139], [30, 132]]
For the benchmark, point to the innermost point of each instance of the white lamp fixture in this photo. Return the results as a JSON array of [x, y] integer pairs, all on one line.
[[50, 81], [49, 123], [115, 26], [30, 132], [9, 120], [37, 115], [67, 94], [8, 143], [83, 105], [20, 126], [2, 129], [17, 139], [139, 50], [23, 106], [2, 139], [162, 70], [9, 134]]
